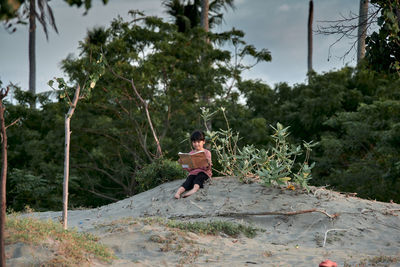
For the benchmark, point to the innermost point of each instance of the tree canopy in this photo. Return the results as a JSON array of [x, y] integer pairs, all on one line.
[[353, 113], [9, 8]]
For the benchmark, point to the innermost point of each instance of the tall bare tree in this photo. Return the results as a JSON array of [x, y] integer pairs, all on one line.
[[45, 12], [310, 35], [3, 131], [205, 5], [362, 29], [79, 93], [3, 94], [71, 110], [32, 49]]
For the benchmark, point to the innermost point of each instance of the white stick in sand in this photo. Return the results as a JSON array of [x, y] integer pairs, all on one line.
[[326, 233]]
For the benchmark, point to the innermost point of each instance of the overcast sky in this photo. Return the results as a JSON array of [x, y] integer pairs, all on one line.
[[278, 25]]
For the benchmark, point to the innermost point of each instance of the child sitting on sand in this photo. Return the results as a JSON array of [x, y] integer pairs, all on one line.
[[196, 177]]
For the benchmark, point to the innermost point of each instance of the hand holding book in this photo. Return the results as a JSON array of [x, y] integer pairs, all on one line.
[[193, 161]]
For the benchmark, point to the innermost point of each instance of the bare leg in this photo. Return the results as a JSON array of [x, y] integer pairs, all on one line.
[[191, 192], [179, 192]]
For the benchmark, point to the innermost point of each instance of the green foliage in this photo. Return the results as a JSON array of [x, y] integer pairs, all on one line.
[[279, 167], [383, 46], [187, 15], [97, 69], [363, 152], [353, 113], [9, 9], [87, 3], [158, 172], [275, 165], [25, 188], [174, 73]]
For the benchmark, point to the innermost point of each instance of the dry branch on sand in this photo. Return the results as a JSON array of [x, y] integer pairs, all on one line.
[[240, 214]]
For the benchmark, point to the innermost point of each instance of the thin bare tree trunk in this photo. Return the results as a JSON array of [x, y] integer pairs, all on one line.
[[205, 24], [32, 50], [3, 177], [310, 35], [66, 156], [146, 108], [362, 29]]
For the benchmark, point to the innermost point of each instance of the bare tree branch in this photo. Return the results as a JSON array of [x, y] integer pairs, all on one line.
[[347, 28], [14, 122], [146, 107], [102, 195]]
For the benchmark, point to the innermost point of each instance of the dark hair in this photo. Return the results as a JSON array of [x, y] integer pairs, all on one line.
[[197, 136]]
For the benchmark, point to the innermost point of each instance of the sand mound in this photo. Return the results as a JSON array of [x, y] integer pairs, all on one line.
[[298, 228]]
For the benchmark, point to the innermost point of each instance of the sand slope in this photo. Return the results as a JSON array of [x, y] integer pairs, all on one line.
[[364, 232]]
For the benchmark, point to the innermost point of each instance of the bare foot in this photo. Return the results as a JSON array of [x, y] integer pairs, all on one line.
[[191, 192], [179, 192]]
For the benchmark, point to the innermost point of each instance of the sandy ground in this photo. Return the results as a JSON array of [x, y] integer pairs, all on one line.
[[362, 232]]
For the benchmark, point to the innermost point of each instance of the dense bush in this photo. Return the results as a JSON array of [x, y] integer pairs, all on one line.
[[158, 172]]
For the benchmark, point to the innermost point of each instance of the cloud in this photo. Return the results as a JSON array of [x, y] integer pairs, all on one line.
[[284, 8]]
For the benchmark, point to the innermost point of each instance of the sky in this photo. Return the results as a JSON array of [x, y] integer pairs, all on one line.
[[277, 25]]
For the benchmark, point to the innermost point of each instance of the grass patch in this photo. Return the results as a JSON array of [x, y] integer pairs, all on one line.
[[69, 247], [214, 228]]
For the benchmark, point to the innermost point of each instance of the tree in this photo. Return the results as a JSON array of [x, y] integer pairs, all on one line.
[[88, 86], [383, 46], [11, 10], [78, 3], [346, 26], [204, 14], [45, 12], [171, 71], [8, 9], [362, 29], [188, 14], [3, 94], [310, 35], [67, 142]]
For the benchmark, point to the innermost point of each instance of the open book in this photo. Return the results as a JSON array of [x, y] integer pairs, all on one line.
[[193, 161]]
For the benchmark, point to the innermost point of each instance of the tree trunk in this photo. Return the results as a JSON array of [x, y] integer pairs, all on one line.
[[310, 35], [66, 156], [32, 50], [3, 178], [362, 29], [204, 23], [204, 15]]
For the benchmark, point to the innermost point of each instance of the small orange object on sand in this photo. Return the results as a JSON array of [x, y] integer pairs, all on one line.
[[328, 263]]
